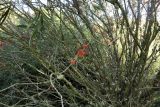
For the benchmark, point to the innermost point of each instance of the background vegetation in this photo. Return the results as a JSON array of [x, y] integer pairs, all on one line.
[[40, 64]]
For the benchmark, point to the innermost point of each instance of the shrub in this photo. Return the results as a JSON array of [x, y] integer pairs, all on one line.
[[115, 69]]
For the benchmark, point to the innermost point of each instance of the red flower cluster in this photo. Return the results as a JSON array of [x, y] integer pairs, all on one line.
[[80, 53], [73, 61]]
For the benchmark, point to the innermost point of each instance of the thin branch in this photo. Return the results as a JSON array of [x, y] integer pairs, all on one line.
[[52, 84]]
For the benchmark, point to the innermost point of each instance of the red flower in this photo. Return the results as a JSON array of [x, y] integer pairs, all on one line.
[[73, 61], [81, 53]]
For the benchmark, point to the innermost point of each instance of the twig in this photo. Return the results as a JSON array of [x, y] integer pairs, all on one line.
[[11, 86], [61, 97]]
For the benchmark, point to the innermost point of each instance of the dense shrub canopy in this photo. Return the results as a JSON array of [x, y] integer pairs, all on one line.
[[79, 53]]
